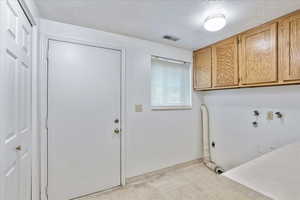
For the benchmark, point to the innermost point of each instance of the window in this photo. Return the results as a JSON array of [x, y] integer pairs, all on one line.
[[170, 84]]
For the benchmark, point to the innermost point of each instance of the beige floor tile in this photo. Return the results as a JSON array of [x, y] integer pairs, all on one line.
[[194, 182]]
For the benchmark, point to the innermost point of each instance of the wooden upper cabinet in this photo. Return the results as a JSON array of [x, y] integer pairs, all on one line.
[[267, 55], [289, 48], [258, 55], [225, 63], [202, 69]]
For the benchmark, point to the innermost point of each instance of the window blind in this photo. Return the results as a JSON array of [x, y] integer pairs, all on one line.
[[170, 83]]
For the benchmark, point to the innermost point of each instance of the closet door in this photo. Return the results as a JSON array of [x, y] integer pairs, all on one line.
[[15, 103], [225, 63], [202, 69], [258, 55], [289, 48]]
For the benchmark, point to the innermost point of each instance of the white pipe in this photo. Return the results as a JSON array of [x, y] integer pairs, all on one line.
[[206, 140], [205, 132]]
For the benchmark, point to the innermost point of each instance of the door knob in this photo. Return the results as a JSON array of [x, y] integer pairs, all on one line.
[[117, 131], [116, 121], [19, 148]]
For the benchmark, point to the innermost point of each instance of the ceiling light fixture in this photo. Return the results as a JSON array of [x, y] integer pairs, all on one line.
[[215, 22]]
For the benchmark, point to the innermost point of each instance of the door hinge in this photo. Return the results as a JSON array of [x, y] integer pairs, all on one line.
[[46, 191], [47, 59], [46, 123]]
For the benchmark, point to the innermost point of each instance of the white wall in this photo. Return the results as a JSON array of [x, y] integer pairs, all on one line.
[[155, 139], [231, 117]]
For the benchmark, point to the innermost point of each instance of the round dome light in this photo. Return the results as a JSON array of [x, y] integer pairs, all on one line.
[[215, 22]]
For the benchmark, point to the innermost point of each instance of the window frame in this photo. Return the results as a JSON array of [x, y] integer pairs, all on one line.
[[188, 106]]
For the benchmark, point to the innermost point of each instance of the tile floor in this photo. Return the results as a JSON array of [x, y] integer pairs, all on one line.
[[194, 182]]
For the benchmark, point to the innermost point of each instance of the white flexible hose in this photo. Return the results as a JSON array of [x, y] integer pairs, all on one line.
[[205, 131], [206, 140]]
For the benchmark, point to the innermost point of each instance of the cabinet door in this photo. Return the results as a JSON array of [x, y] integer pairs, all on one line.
[[225, 63], [289, 48], [202, 69], [259, 55]]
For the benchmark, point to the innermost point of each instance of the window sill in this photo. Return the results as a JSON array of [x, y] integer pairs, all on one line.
[[157, 108]]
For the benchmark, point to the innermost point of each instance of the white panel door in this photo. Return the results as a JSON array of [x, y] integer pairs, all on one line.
[[83, 115], [15, 103]]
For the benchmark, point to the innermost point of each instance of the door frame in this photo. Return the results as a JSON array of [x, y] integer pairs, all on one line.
[[43, 78], [27, 12]]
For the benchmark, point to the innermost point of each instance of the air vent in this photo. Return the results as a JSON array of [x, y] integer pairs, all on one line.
[[172, 38]]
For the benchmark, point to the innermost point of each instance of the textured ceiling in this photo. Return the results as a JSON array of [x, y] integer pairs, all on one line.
[[151, 19]]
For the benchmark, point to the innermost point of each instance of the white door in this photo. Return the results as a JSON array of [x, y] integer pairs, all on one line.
[[83, 119], [15, 103]]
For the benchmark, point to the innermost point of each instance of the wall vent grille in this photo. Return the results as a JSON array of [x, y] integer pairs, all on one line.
[[171, 38]]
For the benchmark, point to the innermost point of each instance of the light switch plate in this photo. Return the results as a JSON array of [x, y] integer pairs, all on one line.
[[138, 108]]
